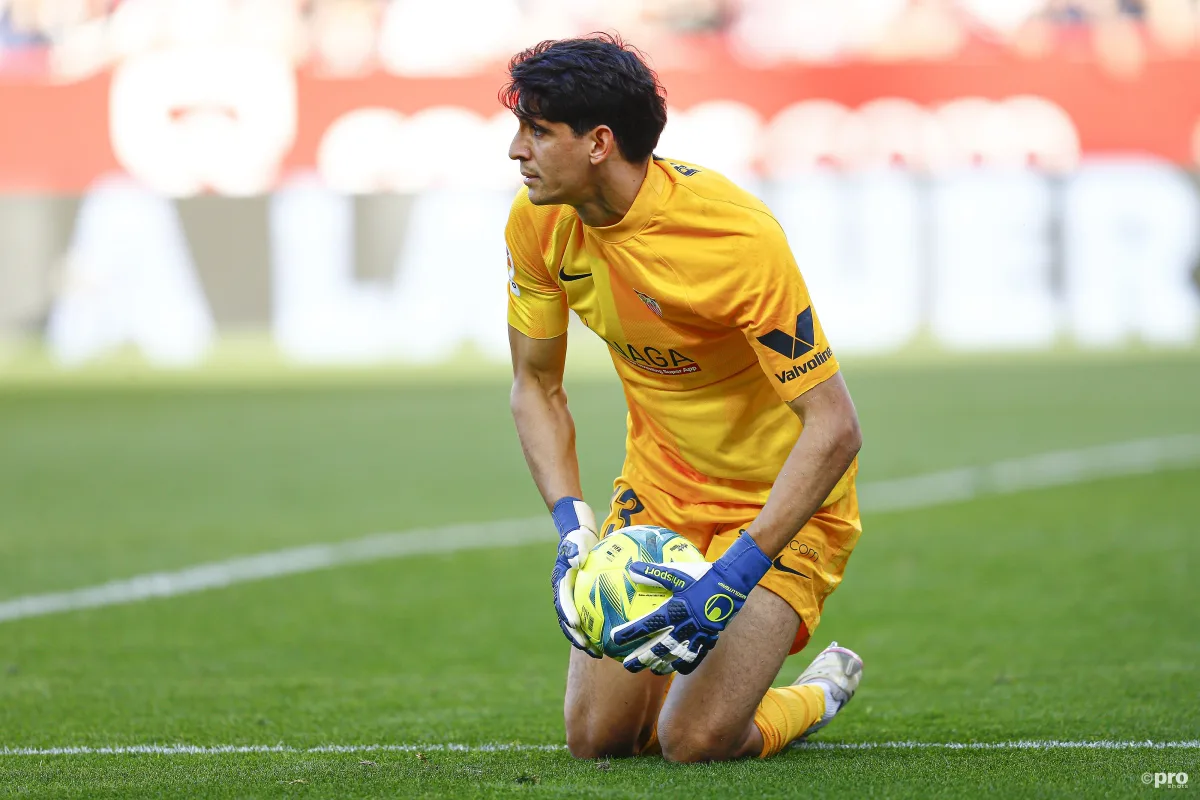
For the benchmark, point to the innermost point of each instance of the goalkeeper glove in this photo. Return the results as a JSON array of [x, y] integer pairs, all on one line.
[[704, 599], [576, 537]]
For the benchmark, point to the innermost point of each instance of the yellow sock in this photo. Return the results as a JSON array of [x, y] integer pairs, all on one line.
[[787, 712]]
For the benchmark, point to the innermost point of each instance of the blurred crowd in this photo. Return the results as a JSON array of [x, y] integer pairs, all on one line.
[[70, 39]]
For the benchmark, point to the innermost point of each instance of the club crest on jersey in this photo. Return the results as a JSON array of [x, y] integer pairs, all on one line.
[[650, 302]]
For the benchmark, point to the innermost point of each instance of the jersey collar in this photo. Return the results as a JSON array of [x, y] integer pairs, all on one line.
[[647, 202]]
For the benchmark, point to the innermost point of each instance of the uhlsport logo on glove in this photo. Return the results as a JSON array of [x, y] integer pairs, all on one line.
[[718, 607], [659, 573]]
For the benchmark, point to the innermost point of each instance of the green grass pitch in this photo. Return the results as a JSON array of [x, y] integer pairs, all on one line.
[[1068, 613]]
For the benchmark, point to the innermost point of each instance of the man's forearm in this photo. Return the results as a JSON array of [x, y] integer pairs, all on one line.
[[817, 462], [547, 435]]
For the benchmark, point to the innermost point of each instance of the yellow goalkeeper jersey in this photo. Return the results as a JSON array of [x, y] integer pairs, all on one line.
[[705, 314]]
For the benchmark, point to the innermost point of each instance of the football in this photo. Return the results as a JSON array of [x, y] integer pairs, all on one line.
[[604, 595]]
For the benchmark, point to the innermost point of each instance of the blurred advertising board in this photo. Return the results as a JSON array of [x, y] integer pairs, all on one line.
[[990, 205]]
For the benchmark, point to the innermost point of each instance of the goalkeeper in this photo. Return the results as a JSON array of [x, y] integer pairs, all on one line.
[[741, 433]]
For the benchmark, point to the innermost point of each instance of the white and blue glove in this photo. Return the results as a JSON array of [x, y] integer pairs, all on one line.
[[576, 537], [704, 599]]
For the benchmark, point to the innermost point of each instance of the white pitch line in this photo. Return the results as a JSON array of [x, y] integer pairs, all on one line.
[[1059, 468], [221, 749], [292, 561], [1141, 456], [212, 750], [1023, 744]]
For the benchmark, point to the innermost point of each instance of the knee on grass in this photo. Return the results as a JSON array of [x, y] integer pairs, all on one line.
[[698, 744], [596, 741]]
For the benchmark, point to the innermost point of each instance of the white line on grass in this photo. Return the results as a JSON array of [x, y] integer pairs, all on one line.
[[1023, 744], [187, 749], [218, 574], [1059, 468]]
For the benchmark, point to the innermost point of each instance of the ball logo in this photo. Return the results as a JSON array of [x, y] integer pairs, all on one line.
[[718, 607]]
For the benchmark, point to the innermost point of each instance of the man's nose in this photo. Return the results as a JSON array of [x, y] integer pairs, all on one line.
[[517, 150]]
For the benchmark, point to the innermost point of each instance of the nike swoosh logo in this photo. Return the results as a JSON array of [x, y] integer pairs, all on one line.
[[778, 562], [564, 276]]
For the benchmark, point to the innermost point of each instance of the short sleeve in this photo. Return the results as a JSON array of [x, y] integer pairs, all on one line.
[[537, 306], [769, 302]]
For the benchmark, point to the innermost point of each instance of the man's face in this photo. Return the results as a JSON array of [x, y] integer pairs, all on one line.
[[555, 162]]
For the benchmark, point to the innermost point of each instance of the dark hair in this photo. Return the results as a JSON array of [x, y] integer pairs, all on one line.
[[594, 80]]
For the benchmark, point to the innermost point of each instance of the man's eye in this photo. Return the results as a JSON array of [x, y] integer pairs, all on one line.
[[538, 131]]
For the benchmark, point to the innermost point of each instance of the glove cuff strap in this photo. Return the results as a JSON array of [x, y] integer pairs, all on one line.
[[571, 513], [748, 559]]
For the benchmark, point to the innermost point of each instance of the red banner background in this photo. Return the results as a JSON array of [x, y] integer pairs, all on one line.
[[56, 137]]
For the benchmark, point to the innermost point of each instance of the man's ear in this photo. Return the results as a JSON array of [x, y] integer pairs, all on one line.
[[603, 144]]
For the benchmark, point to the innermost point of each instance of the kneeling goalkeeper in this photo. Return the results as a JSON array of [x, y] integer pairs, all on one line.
[[741, 433]]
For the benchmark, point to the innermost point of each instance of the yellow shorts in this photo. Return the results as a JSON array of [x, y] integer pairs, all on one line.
[[804, 574]]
